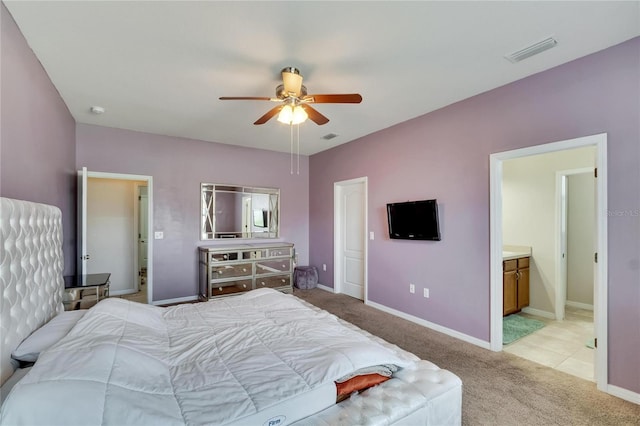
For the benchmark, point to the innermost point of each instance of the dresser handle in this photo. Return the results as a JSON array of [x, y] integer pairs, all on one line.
[[244, 285], [220, 272], [283, 280], [220, 288], [244, 269], [262, 282]]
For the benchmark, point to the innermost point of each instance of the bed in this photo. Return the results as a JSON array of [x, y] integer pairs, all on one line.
[[263, 358]]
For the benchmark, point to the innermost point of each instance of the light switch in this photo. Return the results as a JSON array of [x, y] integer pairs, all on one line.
[[371, 235], [158, 235]]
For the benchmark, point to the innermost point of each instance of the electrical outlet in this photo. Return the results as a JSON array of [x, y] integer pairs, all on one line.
[[412, 288], [324, 267], [158, 235], [426, 293]]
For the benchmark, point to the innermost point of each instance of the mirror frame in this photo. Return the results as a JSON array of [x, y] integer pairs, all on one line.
[[208, 220]]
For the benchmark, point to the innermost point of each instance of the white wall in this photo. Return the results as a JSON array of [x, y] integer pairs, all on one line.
[[580, 238], [111, 228], [529, 214]]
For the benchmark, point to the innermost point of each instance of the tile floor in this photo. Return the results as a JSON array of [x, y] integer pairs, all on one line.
[[560, 344]]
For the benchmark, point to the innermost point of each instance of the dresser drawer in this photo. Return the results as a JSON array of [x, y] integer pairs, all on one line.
[[273, 282], [223, 257], [230, 287], [277, 252], [254, 254], [227, 271], [273, 266]]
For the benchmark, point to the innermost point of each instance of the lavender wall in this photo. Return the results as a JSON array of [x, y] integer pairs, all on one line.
[[445, 155], [178, 166], [37, 138]]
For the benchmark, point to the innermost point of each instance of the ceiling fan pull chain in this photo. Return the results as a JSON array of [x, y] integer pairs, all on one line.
[[298, 148], [291, 149]]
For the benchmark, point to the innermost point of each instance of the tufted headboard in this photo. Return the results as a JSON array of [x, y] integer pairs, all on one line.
[[31, 266]]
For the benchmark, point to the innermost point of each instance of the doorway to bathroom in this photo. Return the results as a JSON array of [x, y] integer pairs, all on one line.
[[547, 254], [114, 222]]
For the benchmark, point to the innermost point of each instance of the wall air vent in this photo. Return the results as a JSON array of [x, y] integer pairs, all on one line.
[[329, 136], [529, 51]]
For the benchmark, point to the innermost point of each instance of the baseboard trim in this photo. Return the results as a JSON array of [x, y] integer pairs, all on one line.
[[449, 332], [625, 394], [539, 313], [579, 305], [121, 292], [326, 288], [176, 300]]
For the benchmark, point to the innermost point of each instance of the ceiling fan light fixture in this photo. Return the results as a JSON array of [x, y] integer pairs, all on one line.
[[286, 114], [299, 115], [292, 115]]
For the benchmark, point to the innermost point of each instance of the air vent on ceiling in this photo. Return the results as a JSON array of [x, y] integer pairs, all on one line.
[[329, 136], [534, 49]]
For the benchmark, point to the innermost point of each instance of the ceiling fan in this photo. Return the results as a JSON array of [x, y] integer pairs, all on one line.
[[294, 101]]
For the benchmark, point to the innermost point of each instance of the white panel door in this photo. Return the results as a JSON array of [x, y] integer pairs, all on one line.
[[111, 226], [143, 233], [81, 266], [352, 239]]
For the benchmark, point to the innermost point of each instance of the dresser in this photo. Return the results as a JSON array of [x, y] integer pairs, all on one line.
[[226, 270], [84, 291]]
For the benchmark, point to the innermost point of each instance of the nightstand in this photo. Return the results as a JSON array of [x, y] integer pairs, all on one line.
[[84, 291]]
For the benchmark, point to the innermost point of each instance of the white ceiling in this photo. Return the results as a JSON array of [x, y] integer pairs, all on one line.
[[160, 67]]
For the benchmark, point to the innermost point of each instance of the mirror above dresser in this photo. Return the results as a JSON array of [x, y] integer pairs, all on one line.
[[229, 211]]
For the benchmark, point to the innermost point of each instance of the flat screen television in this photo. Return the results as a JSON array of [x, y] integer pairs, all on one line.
[[414, 220]]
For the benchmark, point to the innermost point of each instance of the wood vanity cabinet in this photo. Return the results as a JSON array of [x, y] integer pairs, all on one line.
[[515, 285], [226, 270]]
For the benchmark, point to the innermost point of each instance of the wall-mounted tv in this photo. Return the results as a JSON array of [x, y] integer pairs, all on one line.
[[414, 220]]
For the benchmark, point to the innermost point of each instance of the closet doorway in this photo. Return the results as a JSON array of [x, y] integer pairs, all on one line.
[[114, 222], [350, 240], [497, 163]]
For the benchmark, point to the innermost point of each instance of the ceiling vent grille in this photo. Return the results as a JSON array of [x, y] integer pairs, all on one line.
[[329, 136], [534, 49]]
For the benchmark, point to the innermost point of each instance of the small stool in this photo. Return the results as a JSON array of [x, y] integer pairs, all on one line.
[[305, 277]]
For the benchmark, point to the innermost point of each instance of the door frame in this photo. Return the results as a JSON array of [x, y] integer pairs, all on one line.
[[337, 233], [136, 231], [561, 241], [132, 177], [599, 141]]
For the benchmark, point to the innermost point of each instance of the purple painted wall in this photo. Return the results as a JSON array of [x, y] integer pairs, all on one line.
[[445, 155], [37, 136], [178, 166]]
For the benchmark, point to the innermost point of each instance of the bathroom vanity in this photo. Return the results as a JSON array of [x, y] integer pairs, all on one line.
[[515, 279]]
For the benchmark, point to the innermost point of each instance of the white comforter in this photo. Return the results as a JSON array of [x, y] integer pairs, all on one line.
[[207, 363]]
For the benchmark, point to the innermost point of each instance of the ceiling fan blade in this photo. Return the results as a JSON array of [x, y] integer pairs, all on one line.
[[272, 112], [243, 98], [346, 98], [315, 116]]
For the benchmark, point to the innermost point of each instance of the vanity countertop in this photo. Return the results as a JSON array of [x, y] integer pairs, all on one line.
[[515, 252]]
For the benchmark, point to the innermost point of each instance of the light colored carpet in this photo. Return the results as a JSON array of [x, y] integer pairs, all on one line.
[[515, 327], [498, 388]]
